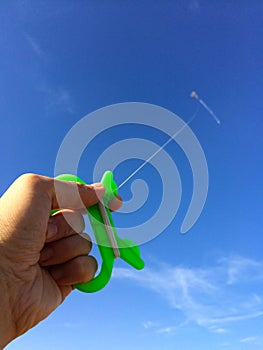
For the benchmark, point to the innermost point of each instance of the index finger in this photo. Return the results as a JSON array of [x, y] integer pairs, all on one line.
[[73, 195]]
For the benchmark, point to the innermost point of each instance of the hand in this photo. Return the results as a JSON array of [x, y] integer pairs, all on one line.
[[41, 257]]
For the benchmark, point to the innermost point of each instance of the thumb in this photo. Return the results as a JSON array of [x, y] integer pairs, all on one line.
[[26, 205]]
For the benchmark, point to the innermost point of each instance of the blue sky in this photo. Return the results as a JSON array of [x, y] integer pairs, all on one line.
[[62, 60]]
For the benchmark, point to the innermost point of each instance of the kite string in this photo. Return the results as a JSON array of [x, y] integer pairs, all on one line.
[[161, 148]]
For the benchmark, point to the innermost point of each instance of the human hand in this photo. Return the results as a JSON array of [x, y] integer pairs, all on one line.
[[41, 257]]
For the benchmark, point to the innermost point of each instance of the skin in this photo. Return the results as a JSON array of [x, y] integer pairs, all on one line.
[[41, 257]]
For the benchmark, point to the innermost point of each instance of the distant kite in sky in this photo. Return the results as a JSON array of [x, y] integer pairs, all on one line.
[[209, 110]]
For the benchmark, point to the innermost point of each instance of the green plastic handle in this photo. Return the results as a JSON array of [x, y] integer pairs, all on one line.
[[129, 251]]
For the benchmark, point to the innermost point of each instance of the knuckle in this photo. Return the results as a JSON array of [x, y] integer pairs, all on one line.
[[87, 238], [79, 222], [30, 179], [85, 245], [74, 221], [76, 245]]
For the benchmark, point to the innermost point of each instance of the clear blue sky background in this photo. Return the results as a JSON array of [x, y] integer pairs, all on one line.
[[60, 60]]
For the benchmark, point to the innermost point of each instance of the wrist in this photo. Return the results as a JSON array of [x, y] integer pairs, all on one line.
[[7, 327]]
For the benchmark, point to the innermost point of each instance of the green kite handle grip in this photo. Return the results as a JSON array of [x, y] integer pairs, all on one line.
[[129, 251]]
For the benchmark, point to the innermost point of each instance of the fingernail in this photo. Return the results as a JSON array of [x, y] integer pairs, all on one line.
[[115, 204], [99, 189], [51, 230]]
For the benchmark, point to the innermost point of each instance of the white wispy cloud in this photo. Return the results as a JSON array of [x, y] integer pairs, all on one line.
[[218, 330], [56, 98], [61, 98], [210, 296], [251, 340], [194, 6], [167, 330], [228, 319], [150, 324], [162, 328], [35, 46], [240, 268]]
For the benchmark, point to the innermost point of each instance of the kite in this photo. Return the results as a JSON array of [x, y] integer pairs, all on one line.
[[209, 110]]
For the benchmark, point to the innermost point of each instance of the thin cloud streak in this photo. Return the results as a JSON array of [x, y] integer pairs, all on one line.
[[194, 6], [251, 340], [56, 97], [36, 48], [205, 295]]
